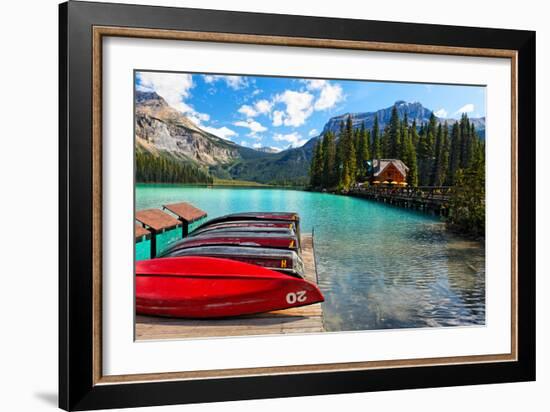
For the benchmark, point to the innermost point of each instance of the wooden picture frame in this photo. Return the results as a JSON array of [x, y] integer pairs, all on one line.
[[82, 28]]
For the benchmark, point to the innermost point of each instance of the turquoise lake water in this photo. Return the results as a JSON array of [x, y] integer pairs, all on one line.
[[379, 266]]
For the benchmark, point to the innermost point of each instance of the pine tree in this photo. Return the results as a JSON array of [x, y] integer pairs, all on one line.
[[349, 156], [467, 206], [466, 142], [329, 159], [357, 145], [409, 158], [432, 125], [444, 164], [339, 163], [454, 153], [425, 156], [376, 148], [317, 164], [363, 152], [435, 179], [404, 131], [313, 166], [160, 169], [414, 134], [393, 140], [385, 143]]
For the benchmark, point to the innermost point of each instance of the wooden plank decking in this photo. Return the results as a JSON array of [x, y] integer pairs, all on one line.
[[186, 211], [157, 220], [141, 233], [296, 320]]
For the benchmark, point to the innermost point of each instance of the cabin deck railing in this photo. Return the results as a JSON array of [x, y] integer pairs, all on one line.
[[428, 198]]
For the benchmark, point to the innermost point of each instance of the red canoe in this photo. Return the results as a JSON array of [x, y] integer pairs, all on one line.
[[246, 224], [286, 216], [281, 260], [205, 287], [289, 218], [248, 229], [278, 241]]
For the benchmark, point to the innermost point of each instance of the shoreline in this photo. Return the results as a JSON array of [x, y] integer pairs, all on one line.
[[237, 185]]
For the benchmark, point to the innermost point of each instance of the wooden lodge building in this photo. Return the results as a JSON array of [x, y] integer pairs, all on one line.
[[388, 171]]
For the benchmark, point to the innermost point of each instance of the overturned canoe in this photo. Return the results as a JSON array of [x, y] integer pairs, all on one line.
[[286, 231], [281, 260], [246, 224], [206, 287], [240, 238], [285, 217], [281, 216]]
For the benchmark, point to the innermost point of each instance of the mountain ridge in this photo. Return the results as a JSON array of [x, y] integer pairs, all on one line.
[[162, 130], [415, 112]]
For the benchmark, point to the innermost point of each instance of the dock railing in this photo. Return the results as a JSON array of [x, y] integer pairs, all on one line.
[[434, 198]]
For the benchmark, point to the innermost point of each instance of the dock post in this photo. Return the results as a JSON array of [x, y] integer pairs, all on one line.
[[153, 244], [186, 214], [184, 228]]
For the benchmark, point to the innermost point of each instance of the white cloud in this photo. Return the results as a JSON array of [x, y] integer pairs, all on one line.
[[223, 132], [247, 110], [467, 108], [260, 107], [330, 94], [441, 113], [315, 84], [194, 116], [313, 132], [252, 125], [173, 87], [197, 117], [244, 143], [278, 118], [234, 82], [257, 145], [294, 139], [263, 106], [299, 106]]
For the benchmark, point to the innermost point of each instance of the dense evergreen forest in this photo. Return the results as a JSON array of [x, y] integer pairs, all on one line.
[[436, 154], [159, 169]]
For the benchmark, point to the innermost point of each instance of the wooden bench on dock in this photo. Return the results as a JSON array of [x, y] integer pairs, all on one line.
[[141, 233], [304, 319], [186, 214], [155, 221]]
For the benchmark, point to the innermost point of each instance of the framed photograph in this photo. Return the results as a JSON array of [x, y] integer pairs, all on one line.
[[256, 205]]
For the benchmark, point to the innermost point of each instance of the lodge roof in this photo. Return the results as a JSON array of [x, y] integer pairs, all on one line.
[[379, 165]]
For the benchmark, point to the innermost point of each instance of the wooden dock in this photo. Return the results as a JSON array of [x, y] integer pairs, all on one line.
[[305, 319], [154, 221], [435, 200]]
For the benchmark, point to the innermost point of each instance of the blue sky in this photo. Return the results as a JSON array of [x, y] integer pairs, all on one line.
[[279, 112]]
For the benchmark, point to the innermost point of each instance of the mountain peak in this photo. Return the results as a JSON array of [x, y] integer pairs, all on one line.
[[413, 110], [143, 96]]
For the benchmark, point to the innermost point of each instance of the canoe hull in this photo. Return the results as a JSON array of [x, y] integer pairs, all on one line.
[[243, 239], [201, 287], [238, 224], [280, 260]]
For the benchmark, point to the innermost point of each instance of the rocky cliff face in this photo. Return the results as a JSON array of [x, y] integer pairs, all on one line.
[[162, 129]]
